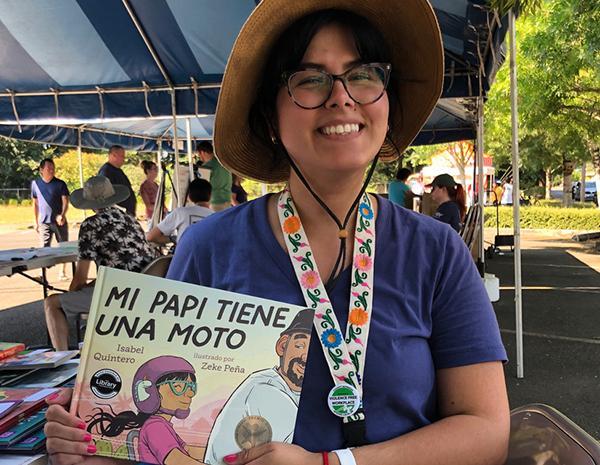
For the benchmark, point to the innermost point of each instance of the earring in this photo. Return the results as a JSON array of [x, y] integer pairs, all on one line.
[[273, 139]]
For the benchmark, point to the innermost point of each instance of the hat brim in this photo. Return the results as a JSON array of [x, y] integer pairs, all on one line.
[[78, 201], [412, 32]]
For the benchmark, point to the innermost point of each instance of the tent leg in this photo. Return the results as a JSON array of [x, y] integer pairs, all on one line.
[[516, 193]]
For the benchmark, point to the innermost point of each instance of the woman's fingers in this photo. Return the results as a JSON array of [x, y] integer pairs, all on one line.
[[58, 414], [61, 397], [59, 430]]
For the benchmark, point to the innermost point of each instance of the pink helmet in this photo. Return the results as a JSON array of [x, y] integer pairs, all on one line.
[[145, 390]]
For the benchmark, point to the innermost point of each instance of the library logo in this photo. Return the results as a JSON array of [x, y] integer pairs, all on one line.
[[105, 383]]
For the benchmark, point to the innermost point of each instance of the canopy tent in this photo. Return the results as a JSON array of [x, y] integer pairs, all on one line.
[[91, 61]]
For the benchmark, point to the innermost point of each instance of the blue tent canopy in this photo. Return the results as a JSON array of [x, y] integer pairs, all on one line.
[[89, 60]]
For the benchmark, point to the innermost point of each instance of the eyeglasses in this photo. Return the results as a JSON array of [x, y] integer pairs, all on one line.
[[310, 88], [179, 388]]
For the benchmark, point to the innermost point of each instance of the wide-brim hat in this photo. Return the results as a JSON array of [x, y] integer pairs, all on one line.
[[98, 192], [411, 31]]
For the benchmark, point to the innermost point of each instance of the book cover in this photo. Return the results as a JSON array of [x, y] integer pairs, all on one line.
[[8, 349], [30, 401], [51, 377], [12, 377], [170, 369], [37, 359], [32, 444], [22, 429]]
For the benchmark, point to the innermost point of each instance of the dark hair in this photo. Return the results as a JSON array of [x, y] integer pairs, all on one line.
[[287, 54], [403, 174], [205, 146], [112, 424], [200, 190], [114, 148], [147, 165], [458, 195], [44, 161]]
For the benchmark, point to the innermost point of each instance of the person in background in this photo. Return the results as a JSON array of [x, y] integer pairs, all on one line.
[[220, 178], [111, 238], [50, 197], [112, 170], [398, 189], [238, 194], [507, 192], [149, 188], [496, 193], [451, 199], [181, 218]]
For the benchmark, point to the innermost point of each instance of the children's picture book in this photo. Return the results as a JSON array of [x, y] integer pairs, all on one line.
[[31, 444], [22, 429], [51, 377], [171, 369], [28, 402], [8, 349], [12, 377], [37, 359]]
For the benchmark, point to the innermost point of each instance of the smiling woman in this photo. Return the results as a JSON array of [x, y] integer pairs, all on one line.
[[314, 94]]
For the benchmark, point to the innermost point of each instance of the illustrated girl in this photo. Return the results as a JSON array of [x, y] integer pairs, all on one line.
[[163, 388]]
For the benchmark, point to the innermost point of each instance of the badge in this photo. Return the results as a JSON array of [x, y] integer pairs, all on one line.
[[253, 431], [343, 400]]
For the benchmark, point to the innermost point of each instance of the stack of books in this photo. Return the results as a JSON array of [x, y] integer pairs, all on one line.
[[27, 378]]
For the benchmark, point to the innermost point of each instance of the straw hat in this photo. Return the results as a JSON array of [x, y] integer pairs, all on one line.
[[97, 193], [411, 30]]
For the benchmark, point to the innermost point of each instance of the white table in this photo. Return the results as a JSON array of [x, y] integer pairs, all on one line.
[[18, 261]]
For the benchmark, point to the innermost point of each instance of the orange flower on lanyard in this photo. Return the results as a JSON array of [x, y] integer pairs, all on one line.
[[291, 225], [358, 316]]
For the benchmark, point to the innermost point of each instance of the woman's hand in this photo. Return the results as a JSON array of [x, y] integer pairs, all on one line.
[[274, 453], [67, 441]]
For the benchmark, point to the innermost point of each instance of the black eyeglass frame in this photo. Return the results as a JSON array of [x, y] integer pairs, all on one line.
[[287, 75]]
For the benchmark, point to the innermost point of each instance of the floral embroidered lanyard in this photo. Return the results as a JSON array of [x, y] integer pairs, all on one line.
[[345, 358]]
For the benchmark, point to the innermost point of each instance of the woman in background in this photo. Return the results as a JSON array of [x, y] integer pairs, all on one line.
[[451, 198], [149, 188]]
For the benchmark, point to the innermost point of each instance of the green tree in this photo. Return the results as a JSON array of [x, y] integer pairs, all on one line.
[[19, 162]]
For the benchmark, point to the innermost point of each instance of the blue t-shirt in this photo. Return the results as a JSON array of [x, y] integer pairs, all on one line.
[[397, 192], [49, 196], [430, 311], [449, 213]]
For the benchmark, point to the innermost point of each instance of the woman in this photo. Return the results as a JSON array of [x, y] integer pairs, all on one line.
[[451, 198], [149, 188], [314, 111], [238, 193]]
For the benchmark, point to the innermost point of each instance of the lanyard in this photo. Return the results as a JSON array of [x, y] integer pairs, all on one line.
[[345, 356]]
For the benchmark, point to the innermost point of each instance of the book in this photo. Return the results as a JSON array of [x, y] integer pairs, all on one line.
[[37, 359], [50, 377], [22, 428], [33, 443], [165, 362], [8, 349], [29, 402], [12, 377]]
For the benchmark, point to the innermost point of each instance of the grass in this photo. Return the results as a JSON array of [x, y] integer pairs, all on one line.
[[21, 216]]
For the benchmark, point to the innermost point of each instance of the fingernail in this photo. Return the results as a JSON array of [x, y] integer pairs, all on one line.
[[91, 449], [87, 437], [82, 425], [230, 458], [53, 396]]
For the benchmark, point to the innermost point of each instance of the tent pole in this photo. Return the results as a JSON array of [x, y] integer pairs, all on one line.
[[516, 195], [176, 150], [480, 182], [80, 159], [190, 153]]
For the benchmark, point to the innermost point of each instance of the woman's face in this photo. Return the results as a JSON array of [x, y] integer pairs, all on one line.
[[152, 173], [439, 194], [303, 132]]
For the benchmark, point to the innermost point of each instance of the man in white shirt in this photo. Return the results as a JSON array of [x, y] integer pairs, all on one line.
[[179, 219]]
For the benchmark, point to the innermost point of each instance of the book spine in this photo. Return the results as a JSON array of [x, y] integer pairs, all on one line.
[[87, 341], [11, 351], [32, 408]]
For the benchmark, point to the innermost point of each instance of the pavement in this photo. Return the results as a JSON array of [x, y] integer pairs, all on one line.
[[561, 320]]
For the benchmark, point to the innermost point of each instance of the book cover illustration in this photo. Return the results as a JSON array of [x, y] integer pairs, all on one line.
[[51, 377], [170, 369], [22, 429], [37, 359], [29, 401], [8, 349]]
